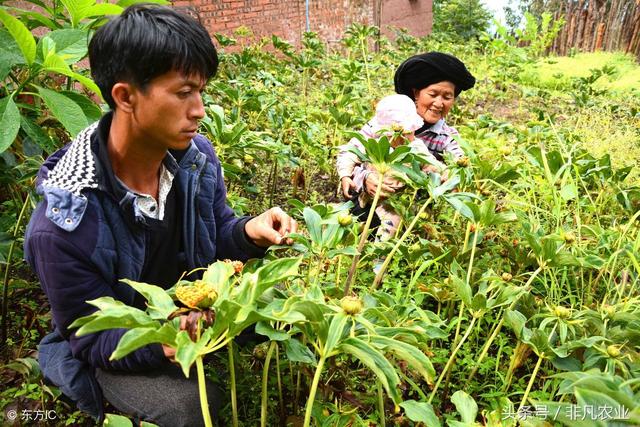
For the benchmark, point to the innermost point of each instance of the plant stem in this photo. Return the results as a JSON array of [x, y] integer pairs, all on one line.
[[5, 283], [202, 388], [265, 374], [232, 374], [451, 359], [338, 268], [531, 381], [387, 260], [363, 237], [496, 331], [312, 392], [381, 404], [280, 399], [366, 65]]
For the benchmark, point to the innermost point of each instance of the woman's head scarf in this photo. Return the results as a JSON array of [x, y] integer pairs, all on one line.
[[425, 69]]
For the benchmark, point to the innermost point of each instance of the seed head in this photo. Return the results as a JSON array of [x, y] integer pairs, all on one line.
[[506, 276], [463, 162], [198, 294], [237, 265]]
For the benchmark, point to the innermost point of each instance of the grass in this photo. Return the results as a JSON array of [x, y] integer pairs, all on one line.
[[555, 73]]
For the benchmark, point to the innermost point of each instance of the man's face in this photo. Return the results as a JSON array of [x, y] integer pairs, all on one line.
[[434, 101], [167, 111]]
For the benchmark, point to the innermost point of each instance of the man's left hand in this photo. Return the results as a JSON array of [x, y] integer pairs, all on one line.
[[271, 228]]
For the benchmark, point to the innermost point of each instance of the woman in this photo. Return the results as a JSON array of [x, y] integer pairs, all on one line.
[[433, 80]]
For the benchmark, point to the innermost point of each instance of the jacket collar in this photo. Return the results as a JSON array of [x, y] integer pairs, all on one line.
[[437, 128], [79, 168]]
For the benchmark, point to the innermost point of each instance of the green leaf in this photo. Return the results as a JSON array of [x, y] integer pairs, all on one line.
[[313, 222], [459, 205], [296, 352], [253, 285], [265, 328], [10, 53], [71, 44], [121, 318], [113, 420], [218, 275], [21, 34], [409, 353], [516, 321], [65, 110], [335, 332], [462, 289], [102, 9], [159, 303], [77, 9], [569, 192], [375, 361], [91, 110], [54, 63], [466, 406], [140, 337], [187, 351], [127, 3], [420, 412], [36, 134], [9, 122]]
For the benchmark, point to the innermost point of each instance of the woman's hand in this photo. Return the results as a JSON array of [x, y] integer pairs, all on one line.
[[347, 184], [443, 172], [389, 185]]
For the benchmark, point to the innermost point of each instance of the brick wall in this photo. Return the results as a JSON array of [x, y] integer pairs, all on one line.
[[329, 18]]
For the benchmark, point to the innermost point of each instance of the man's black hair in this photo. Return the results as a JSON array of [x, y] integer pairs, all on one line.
[[147, 41]]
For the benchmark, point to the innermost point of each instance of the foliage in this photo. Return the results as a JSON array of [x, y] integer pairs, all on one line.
[[513, 283]]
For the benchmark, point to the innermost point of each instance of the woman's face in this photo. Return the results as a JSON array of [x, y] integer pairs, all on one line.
[[434, 101]]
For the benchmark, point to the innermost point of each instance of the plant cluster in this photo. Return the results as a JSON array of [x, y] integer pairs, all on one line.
[[512, 285]]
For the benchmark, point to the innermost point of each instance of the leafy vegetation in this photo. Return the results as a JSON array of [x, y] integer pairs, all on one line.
[[512, 286]]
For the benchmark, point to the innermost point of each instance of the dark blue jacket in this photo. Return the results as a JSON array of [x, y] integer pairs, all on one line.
[[82, 240]]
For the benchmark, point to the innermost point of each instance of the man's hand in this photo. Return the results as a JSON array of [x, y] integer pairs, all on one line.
[[189, 323], [347, 185], [271, 228]]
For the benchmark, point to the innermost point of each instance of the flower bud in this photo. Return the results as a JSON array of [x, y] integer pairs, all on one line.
[[562, 312], [351, 305], [613, 351], [345, 219]]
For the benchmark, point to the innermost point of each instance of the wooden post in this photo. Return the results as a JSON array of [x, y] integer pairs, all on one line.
[[599, 36], [590, 30]]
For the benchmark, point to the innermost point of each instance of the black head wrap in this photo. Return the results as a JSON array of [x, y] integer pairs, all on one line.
[[425, 69]]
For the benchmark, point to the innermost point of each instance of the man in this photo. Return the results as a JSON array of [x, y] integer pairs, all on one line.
[[139, 195]]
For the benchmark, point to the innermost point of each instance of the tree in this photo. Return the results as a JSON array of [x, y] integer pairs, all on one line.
[[463, 19]]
